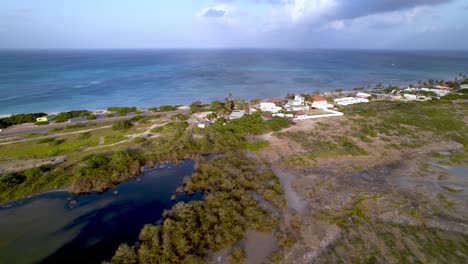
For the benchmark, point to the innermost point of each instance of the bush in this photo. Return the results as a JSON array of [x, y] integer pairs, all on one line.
[[195, 107], [122, 125], [179, 117], [91, 117], [65, 116], [163, 108], [99, 172], [84, 135], [20, 119], [110, 116], [122, 109], [139, 140], [237, 256]]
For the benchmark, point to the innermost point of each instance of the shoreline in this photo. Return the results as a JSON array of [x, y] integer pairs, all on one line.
[[95, 111]]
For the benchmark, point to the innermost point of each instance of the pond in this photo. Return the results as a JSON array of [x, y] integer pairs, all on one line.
[[58, 227]]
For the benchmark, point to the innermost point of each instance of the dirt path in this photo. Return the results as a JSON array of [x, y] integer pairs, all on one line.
[[54, 135], [295, 201]]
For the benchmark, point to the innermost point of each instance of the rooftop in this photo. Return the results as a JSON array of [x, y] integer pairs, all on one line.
[[318, 98]]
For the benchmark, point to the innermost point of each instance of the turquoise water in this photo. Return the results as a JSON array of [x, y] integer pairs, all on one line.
[[49, 228], [49, 81]]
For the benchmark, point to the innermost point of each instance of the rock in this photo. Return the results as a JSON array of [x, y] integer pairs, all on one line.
[[173, 197]]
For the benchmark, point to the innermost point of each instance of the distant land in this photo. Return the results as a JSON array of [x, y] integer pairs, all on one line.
[[53, 81]]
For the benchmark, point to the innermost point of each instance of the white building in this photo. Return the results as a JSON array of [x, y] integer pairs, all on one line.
[[204, 124], [464, 86], [350, 100], [410, 96], [237, 114], [438, 92], [298, 104], [320, 102], [363, 95], [270, 107]]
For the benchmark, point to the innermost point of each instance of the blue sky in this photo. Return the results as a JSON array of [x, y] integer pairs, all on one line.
[[373, 24]]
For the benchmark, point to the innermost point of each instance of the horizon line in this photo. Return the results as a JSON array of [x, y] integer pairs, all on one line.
[[224, 48]]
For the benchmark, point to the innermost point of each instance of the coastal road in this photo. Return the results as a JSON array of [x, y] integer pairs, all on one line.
[[24, 129]]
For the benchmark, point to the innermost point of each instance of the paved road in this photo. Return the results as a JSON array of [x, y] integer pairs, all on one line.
[[25, 129]]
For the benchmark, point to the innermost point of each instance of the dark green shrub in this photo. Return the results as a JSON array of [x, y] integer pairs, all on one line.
[[65, 116], [122, 125]]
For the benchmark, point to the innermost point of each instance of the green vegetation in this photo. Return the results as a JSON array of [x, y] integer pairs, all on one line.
[[122, 111], [179, 117], [65, 116], [20, 184], [174, 127], [378, 242], [91, 117], [237, 256], [139, 140], [191, 229], [109, 116], [20, 119], [122, 125], [196, 107], [163, 108], [454, 96], [99, 172], [256, 146]]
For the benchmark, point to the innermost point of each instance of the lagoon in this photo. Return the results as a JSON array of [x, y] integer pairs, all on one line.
[[58, 227]]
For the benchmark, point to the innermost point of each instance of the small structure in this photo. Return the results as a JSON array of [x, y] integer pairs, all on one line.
[[42, 119], [270, 107], [320, 102], [329, 113], [410, 96], [298, 104], [237, 114], [363, 95], [464, 86], [438, 92], [350, 100], [442, 87], [204, 124]]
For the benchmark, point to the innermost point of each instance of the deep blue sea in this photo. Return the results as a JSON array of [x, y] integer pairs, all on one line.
[[49, 81]]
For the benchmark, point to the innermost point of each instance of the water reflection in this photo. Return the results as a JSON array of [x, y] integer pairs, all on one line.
[[51, 229]]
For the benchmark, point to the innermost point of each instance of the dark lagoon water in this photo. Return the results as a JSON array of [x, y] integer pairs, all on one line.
[[47, 228], [96, 79]]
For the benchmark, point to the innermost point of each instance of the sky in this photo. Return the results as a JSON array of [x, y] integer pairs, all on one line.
[[340, 24]]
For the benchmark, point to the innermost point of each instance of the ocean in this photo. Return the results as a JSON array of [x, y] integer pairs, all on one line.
[[51, 81]]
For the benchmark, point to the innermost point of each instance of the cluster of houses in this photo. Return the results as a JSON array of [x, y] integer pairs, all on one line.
[[419, 93], [298, 108]]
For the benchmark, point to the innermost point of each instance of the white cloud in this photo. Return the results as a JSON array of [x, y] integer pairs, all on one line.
[[220, 14]]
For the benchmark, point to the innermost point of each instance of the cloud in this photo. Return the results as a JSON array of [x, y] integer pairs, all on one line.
[[312, 10], [358, 8], [220, 15], [212, 12]]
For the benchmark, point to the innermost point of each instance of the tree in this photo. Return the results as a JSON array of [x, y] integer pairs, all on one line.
[[122, 125], [124, 255], [216, 106], [195, 106]]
